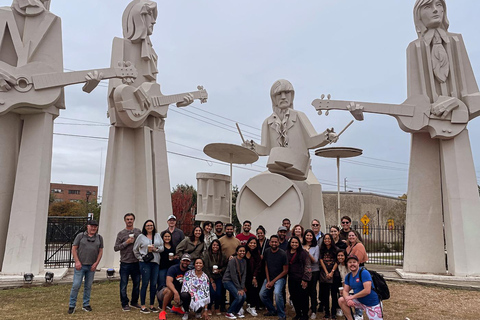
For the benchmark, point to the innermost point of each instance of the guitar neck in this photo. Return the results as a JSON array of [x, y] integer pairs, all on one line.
[[174, 98], [51, 80], [370, 107]]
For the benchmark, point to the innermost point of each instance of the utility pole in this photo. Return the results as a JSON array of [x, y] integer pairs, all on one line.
[[378, 216], [345, 184]]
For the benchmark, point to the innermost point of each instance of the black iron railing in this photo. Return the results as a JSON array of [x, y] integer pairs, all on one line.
[[61, 231], [384, 245]]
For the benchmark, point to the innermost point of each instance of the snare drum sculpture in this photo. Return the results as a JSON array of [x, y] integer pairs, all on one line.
[[443, 206], [290, 188], [136, 173]]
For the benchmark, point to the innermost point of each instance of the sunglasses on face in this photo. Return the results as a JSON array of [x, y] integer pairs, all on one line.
[[345, 222], [315, 225]]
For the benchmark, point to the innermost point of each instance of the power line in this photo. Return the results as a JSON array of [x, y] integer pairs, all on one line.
[[214, 114], [83, 124], [402, 163], [212, 124], [189, 111], [81, 120], [373, 165]]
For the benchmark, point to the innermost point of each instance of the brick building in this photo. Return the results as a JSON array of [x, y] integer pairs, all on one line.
[[73, 192]]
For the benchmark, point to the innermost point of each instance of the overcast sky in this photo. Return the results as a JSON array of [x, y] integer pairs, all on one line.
[[354, 50]]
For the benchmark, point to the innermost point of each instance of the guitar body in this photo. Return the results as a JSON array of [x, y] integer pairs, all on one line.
[[22, 98], [130, 111], [424, 120], [135, 104]]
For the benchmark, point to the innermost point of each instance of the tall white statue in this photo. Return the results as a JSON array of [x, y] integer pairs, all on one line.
[[290, 189], [136, 174], [443, 207], [31, 95]]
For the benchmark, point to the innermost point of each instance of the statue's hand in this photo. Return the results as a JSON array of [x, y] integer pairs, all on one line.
[[6, 81], [356, 110], [332, 137], [249, 144], [187, 100], [93, 79], [444, 108]]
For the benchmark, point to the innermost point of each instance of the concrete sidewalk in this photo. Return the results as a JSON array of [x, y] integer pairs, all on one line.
[[65, 276]]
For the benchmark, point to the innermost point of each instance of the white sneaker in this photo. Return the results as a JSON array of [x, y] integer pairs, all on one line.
[[313, 315], [252, 311], [185, 316], [339, 313], [239, 315], [230, 316], [241, 311], [358, 317]]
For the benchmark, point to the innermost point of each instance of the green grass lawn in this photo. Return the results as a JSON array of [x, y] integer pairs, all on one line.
[[51, 302]]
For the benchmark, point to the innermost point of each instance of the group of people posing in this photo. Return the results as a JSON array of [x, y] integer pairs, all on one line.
[[195, 272]]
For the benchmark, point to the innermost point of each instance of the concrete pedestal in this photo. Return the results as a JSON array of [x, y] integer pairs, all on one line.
[[136, 180], [442, 191], [25, 242]]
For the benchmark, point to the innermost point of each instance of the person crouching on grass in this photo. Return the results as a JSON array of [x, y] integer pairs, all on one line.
[[363, 296]]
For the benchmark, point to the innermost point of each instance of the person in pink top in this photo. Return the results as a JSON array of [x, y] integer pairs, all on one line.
[[356, 248]]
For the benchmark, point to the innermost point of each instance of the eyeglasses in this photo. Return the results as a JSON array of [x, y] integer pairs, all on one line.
[[345, 222], [149, 226], [315, 225]]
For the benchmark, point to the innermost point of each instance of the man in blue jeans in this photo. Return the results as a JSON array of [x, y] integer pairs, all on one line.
[[87, 250], [129, 265], [276, 269]]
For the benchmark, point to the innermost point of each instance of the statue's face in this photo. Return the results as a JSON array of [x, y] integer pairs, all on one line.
[[432, 14], [283, 99], [150, 22]]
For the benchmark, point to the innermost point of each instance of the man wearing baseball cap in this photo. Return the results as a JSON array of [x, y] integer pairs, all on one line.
[[363, 296], [282, 237], [174, 287], [177, 234], [87, 250]]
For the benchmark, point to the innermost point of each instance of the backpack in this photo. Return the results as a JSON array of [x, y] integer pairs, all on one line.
[[379, 284]]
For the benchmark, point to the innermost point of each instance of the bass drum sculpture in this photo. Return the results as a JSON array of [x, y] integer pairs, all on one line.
[[268, 198]]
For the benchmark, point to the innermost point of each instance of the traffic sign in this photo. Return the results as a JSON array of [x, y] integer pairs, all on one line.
[[365, 220]]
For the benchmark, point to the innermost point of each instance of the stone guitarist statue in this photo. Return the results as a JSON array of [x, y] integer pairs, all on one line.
[[443, 206], [136, 173]]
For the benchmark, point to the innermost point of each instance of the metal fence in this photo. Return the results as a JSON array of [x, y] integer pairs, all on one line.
[[61, 231], [384, 245]]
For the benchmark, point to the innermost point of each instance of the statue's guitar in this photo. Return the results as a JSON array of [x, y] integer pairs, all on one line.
[[41, 89], [413, 115], [134, 105]]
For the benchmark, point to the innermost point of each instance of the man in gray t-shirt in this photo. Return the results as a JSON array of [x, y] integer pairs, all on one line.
[[129, 266], [87, 250]]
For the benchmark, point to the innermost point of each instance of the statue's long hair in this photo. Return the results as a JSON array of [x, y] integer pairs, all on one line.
[[419, 26], [134, 27], [279, 86]]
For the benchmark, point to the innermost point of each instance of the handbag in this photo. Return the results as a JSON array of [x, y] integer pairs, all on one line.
[[148, 257]]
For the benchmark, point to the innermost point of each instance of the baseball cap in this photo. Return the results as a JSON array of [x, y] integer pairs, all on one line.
[[171, 217], [282, 228], [92, 222], [186, 256], [352, 257]]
